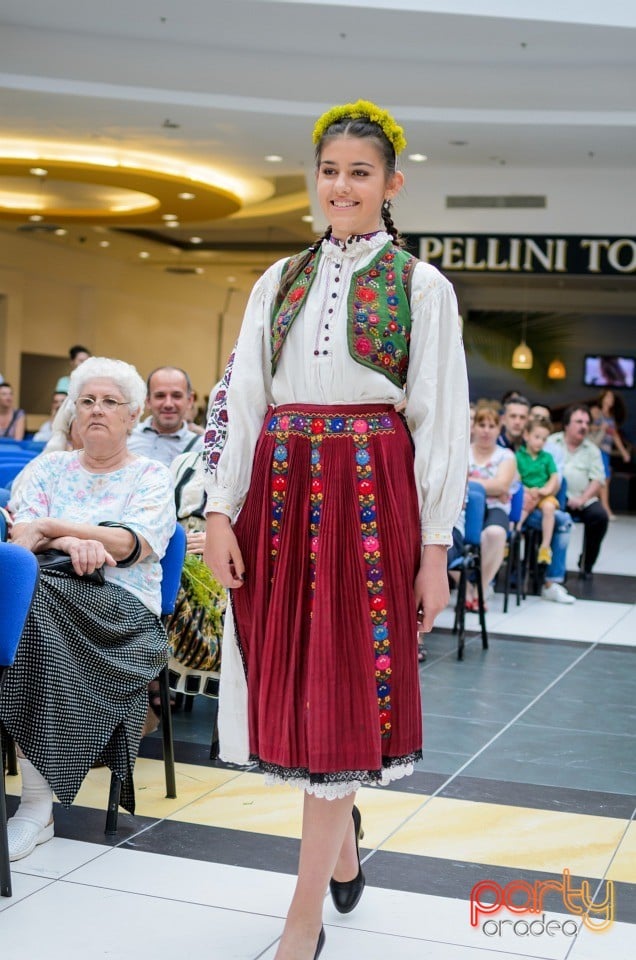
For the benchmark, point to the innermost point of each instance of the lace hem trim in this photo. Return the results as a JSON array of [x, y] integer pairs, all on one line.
[[332, 786]]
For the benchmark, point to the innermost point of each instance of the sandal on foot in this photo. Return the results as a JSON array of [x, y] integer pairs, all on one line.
[[151, 723], [154, 699], [25, 834]]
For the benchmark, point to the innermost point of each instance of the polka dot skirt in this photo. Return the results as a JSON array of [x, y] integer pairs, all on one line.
[[77, 691]]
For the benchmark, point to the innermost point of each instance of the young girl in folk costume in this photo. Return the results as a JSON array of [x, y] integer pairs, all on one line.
[[345, 515]]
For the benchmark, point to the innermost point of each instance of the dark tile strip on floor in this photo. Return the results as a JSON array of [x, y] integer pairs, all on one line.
[[394, 871]]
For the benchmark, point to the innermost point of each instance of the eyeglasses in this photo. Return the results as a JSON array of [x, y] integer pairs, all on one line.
[[109, 404]]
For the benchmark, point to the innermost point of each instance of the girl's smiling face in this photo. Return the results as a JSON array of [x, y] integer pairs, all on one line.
[[352, 185]]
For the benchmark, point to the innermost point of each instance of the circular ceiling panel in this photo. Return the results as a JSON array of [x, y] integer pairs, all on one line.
[[81, 192]]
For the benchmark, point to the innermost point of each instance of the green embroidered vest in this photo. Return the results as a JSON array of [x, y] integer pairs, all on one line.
[[378, 314]]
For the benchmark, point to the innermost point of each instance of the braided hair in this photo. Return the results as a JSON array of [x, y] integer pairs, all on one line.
[[390, 227]]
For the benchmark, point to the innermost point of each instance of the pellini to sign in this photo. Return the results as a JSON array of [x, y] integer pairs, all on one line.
[[497, 253]]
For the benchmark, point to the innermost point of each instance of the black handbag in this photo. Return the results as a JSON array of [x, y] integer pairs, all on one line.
[[60, 562]]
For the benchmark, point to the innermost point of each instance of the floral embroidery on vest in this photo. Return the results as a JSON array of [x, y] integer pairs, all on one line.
[[379, 327], [379, 315]]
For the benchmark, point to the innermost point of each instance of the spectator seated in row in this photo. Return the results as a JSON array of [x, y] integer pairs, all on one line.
[[12, 420], [554, 523], [44, 434], [513, 422], [495, 468], [165, 433], [77, 355], [195, 629], [584, 473], [76, 693], [541, 482], [164, 436]]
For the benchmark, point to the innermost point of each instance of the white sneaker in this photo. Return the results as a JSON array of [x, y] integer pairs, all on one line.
[[557, 593], [25, 834]]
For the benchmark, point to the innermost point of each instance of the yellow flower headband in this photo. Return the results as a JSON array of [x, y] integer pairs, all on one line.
[[367, 110]]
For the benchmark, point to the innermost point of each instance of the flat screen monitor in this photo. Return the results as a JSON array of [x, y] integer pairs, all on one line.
[[609, 371]]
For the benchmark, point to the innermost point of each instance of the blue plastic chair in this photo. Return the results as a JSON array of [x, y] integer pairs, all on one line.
[[514, 547], [19, 574], [171, 567], [10, 470], [470, 561], [34, 446]]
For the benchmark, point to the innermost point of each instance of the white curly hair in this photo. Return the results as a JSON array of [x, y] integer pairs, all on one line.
[[121, 373]]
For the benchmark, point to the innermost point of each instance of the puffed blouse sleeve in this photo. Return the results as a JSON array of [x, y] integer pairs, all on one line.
[[240, 403], [437, 403]]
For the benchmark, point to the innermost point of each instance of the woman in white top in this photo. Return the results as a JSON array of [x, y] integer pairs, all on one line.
[[91, 643], [345, 515], [495, 468]]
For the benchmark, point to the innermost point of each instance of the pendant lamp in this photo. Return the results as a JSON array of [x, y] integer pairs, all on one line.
[[522, 355], [556, 370]]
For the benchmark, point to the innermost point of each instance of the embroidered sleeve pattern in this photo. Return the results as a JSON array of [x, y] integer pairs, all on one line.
[[216, 430]]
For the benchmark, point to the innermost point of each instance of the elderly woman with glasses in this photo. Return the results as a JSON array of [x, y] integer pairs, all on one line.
[[93, 639]]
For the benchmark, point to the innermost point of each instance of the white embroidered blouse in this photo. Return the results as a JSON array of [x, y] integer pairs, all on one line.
[[316, 367]]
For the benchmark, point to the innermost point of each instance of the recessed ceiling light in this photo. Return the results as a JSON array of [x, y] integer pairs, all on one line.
[[196, 239], [186, 196], [231, 279], [144, 255], [273, 158], [60, 232], [169, 216], [417, 157], [307, 218], [199, 270], [104, 243], [38, 171], [35, 218], [172, 223]]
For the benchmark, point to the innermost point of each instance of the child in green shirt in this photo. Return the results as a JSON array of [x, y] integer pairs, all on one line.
[[540, 478]]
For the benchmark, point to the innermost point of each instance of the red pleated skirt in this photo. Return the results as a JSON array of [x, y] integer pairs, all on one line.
[[326, 620]]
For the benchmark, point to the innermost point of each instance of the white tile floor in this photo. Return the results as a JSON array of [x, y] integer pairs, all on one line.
[[74, 900], [126, 905], [618, 554]]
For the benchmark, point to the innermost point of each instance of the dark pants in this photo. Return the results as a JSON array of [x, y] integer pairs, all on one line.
[[595, 519]]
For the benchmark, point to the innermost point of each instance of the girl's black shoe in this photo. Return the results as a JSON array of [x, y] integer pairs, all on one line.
[[346, 894]]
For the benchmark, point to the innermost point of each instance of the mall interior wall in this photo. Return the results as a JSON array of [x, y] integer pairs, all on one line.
[[53, 298]]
